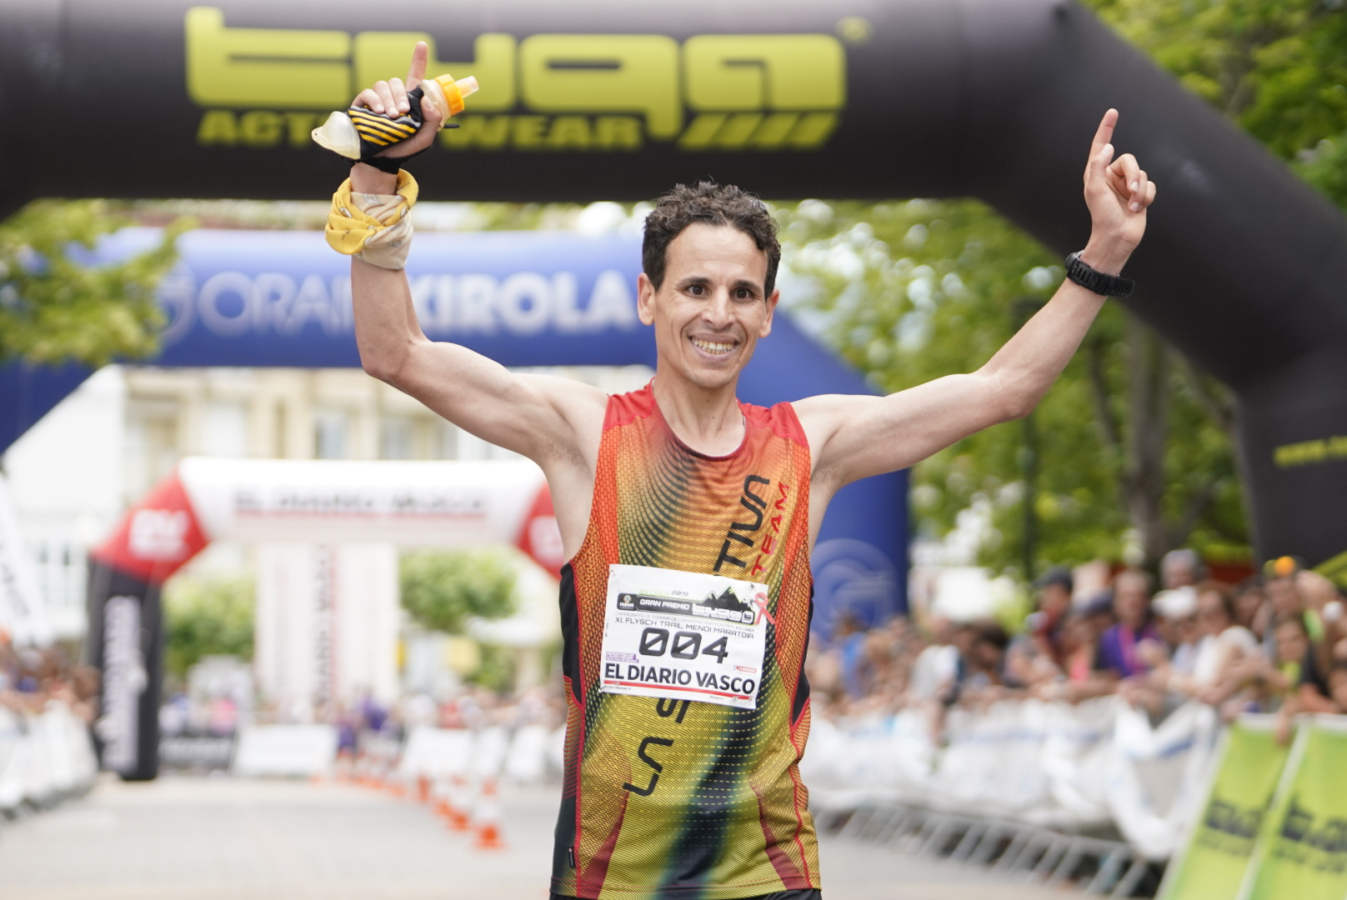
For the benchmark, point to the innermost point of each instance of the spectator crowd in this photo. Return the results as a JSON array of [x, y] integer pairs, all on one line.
[[32, 678], [47, 708], [1276, 642]]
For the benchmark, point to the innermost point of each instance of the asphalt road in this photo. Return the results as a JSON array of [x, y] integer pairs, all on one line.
[[186, 838]]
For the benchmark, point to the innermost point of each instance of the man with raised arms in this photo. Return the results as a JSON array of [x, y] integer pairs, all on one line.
[[687, 516]]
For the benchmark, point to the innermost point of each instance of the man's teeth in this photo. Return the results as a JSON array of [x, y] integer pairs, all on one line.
[[712, 347]]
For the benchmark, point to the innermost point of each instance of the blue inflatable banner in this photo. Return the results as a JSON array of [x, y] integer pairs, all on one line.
[[283, 298]]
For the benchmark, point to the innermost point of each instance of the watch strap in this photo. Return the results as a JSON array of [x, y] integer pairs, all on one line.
[[1080, 272]]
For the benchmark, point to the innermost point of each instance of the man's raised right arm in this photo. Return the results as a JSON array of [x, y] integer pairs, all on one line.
[[537, 416], [548, 419]]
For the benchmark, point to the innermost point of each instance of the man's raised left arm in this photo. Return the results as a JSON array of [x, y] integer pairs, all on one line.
[[855, 436]]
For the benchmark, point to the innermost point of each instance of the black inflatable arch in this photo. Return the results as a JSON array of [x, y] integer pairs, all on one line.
[[1242, 268]]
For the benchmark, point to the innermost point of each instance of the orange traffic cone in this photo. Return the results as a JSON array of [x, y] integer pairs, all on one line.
[[439, 797], [364, 770], [457, 801], [378, 773], [390, 780], [488, 818]]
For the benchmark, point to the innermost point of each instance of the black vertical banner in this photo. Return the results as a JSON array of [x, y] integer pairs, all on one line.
[[126, 644]]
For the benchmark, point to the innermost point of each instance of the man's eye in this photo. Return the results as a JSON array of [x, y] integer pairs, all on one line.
[[696, 290]]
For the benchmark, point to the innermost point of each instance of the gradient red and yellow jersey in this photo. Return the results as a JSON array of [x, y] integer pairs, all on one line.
[[671, 797]]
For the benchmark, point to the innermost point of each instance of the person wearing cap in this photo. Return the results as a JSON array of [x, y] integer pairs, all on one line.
[[1222, 644], [1176, 624]]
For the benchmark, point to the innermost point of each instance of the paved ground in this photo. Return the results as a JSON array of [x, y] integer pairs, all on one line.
[[226, 838]]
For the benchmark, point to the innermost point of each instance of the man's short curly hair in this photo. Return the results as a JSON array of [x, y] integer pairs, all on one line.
[[714, 204]]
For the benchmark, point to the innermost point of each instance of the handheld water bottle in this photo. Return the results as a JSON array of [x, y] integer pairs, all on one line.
[[359, 133]]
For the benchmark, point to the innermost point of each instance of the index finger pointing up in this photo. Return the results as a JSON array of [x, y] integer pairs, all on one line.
[[1104, 134], [417, 71]]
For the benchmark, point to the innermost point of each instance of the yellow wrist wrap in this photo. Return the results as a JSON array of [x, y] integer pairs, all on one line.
[[374, 227]]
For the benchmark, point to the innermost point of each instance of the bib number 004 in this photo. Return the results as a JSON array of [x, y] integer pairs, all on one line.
[[677, 635], [685, 645]]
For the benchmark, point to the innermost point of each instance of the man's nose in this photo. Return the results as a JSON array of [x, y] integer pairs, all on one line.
[[716, 312]]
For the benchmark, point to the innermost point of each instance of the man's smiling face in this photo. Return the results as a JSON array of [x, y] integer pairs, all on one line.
[[710, 309]]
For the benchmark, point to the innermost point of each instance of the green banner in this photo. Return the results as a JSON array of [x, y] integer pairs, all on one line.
[[1213, 865], [1302, 850]]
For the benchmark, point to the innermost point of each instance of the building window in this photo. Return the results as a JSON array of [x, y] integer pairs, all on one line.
[[447, 445], [225, 430], [397, 438], [151, 446], [329, 433]]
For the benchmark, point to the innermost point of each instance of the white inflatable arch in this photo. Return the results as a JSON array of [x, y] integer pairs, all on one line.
[[274, 501]]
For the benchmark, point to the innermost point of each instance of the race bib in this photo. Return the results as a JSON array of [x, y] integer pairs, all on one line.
[[682, 635]]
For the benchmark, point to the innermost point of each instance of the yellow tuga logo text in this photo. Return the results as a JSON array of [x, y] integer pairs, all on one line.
[[267, 87]]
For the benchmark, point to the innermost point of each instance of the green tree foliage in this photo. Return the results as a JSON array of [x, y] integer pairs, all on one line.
[[206, 617], [442, 589], [910, 291], [54, 309], [1131, 453], [1277, 67]]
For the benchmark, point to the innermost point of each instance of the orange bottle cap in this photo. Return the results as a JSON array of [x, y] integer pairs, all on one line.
[[455, 91]]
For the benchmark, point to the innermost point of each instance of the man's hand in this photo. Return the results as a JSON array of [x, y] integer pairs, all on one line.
[[1117, 193], [390, 99]]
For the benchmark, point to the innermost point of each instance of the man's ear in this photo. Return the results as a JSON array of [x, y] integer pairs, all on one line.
[[645, 299], [771, 310]]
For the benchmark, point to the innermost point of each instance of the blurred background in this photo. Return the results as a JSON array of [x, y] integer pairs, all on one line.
[[255, 631]]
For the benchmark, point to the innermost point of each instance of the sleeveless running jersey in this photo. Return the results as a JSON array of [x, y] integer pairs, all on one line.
[[675, 797]]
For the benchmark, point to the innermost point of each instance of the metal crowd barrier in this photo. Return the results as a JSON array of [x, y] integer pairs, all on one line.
[[45, 758], [1098, 865]]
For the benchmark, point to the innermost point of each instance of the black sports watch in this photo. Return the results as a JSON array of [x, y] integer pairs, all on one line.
[[1079, 271]]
